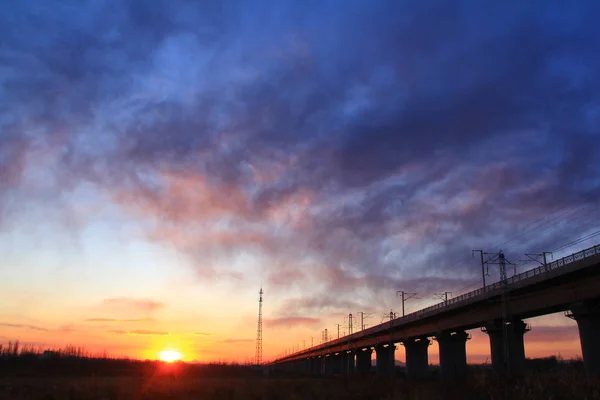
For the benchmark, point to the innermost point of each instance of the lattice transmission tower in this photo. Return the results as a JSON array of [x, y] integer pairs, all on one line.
[[258, 358]]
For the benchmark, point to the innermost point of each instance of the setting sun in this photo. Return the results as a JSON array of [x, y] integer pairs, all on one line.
[[169, 355]]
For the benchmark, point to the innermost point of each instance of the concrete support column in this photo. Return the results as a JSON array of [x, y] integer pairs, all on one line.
[[343, 363], [307, 366], [385, 359], [347, 359], [352, 362], [453, 354], [588, 321], [417, 360], [327, 365], [512, 359], [336, 363], [363, 361], [316, 366]]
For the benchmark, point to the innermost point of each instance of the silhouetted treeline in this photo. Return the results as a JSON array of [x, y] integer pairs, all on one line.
[[23, 361]]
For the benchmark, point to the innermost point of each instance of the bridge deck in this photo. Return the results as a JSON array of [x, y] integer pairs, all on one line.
[[535, 292]]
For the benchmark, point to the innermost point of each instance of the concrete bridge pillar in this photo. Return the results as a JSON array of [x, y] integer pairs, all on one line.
[[385, 359], [453, 354], [417, 360], [352, 362], [333, 364], [317, 366], [509, 359], [336, 363], [347, 362], [363, 361], [587, 316], [327, 365], [307, 366]]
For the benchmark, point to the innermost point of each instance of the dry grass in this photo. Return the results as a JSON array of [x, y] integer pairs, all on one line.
[[555, 385]]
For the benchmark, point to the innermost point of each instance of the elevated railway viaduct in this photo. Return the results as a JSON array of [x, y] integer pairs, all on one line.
[[570, 284]]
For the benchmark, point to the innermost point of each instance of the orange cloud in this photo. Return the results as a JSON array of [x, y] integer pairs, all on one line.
[[291, 321], [144, 305], [286, 276], [147, 332], [213, 222], [23, 326], [235, 341], [119, 320], [137, 332], [552, 334], [186, 194]]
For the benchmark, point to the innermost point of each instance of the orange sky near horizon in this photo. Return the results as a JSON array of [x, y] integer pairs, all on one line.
[[198, 349], [145, 338]]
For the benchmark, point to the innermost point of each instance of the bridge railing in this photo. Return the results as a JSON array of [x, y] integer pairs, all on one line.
[[589, 252]]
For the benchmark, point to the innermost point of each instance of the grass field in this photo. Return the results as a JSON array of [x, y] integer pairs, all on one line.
[[72, 374], [552, 385]]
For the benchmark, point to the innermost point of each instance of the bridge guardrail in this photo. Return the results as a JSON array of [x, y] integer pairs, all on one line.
[[580, 255], [589, 252]]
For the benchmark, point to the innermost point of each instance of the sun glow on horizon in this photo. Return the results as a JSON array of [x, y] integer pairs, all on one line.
[[169, 356]]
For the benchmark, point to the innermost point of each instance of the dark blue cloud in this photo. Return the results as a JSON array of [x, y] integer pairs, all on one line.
[[417, 130]]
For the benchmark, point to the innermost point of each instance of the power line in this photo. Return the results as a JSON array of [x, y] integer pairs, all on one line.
[[483, 265], [547, 222], [530, 228], [482, 280], [571, 220], [556, 214], [350, 323], [469, 286], [363, 316], [405, 296], [560, 211], [390, 316], [443, 296], [575, 218], [577, 241]]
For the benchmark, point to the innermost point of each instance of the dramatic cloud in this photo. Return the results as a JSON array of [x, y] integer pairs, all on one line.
[[349, 150]]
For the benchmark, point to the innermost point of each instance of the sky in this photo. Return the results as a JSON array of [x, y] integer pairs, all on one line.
[[160, 161]]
